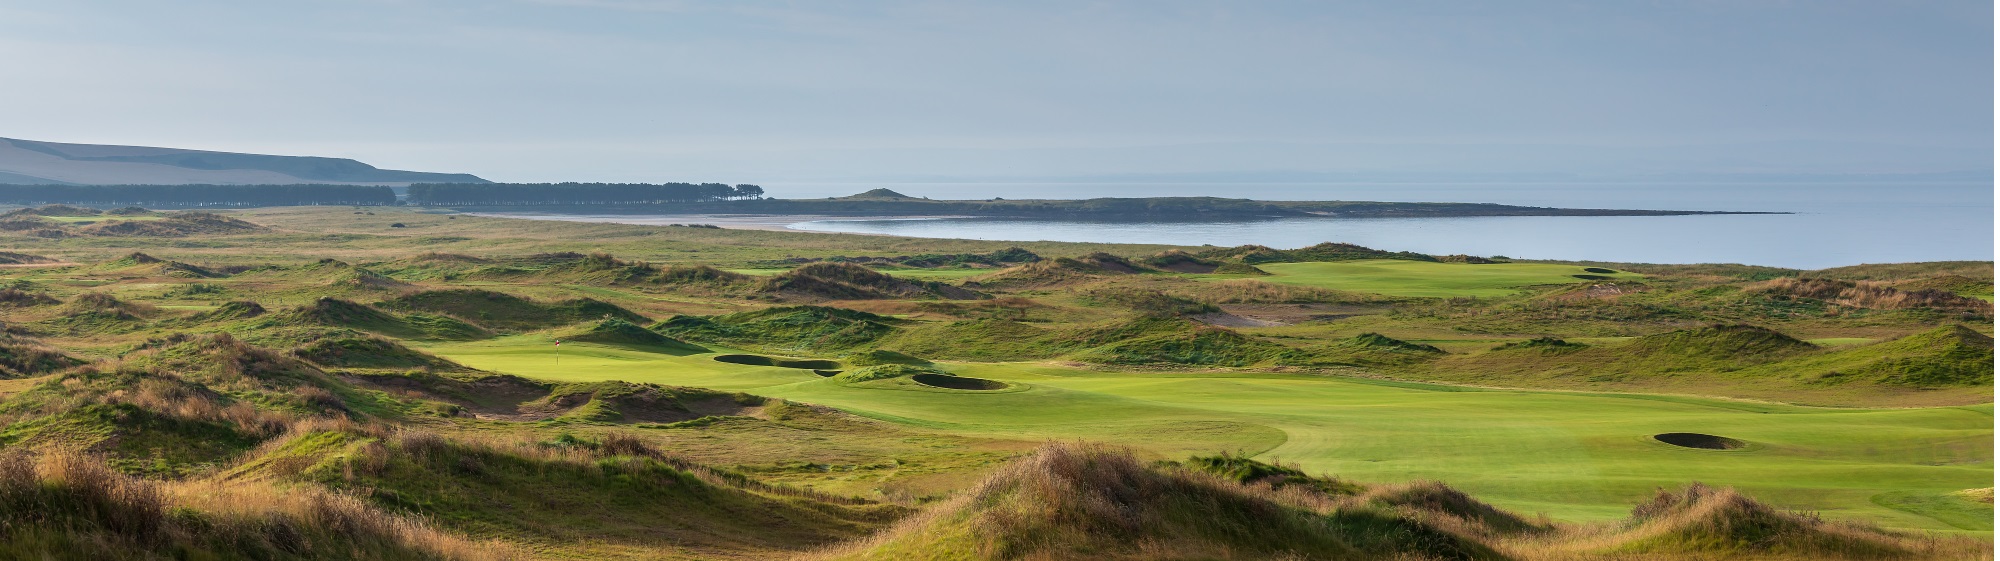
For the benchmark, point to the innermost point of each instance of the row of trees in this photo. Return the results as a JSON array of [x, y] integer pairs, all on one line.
[[197, 195], [454, 194]]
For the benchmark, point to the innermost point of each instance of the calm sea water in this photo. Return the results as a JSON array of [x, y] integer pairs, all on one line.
[[1834, 225]]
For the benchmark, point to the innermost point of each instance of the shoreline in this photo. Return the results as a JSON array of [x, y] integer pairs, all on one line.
[[765, 222]]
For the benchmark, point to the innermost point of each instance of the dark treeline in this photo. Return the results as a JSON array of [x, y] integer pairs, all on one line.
[[505, 194], [197, 195]]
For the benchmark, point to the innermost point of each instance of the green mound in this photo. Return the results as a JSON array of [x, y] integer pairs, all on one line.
[[12, 258], [17, 298], [982, 339], [1701, 520], [1717, 344], [1948, 356], [847, 281], [360, 278], [887, 372], [1377, 341], [1181, 262], [232, 310], [996, 258], [625, 402], [879, 193], [175, 225], [1257, 254], [699, 275], [1151, 302], [1188, 343], [100, 313], [334, 312], [760, 360], [1084, 502], [874, 357], [52, 210], [20, 359], [788, 328], [1239, 269], [603, 269], [368, 352], [140, 263], [1370, 350], [1436, 498], [614, 331], [496, 310], [1060, 271], [617, 490]]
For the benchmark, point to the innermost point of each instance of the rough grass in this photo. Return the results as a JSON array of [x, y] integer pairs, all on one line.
[[617, 497], [67, 506]]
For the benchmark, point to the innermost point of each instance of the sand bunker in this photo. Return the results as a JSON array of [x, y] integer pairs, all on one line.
[[1698, 440], [957, 382], [1599, 270], [757, 360]]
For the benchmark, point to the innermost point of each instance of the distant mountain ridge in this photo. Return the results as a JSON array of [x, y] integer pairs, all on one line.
[[35, 162]]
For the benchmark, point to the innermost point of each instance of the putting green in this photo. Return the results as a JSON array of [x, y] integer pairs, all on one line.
[[1574, 456], [1426, 279]]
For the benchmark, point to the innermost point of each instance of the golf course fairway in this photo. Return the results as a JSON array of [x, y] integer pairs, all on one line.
[[1426, 279], [1573, 456]]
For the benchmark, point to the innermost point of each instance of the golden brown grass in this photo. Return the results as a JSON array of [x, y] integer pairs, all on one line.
[[70, 505], [1869, 294]]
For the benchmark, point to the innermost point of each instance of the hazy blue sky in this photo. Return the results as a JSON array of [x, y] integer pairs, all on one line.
[[766, 91]]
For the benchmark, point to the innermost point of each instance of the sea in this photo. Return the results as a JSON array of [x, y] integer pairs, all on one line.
[[1828, 225]]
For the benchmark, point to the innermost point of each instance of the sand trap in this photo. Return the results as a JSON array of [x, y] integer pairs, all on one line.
[[1698, 440], [758, 360], [1599, 270], [827, 373], [957, 382], [1592, 277]]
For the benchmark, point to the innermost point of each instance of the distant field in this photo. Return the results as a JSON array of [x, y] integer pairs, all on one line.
[[919, 274], [1575, 456], [1427, 279]]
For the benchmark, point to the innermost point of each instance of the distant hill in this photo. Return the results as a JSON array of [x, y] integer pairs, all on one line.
[[32, 162]]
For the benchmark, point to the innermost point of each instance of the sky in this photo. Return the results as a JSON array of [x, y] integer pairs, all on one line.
[[750, 91]]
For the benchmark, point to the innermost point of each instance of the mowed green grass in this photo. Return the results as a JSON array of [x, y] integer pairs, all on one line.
[[1574, 456], [1395, 277]]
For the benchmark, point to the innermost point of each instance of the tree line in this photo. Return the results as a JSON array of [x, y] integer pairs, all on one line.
[[199, 195], [577, 193]]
